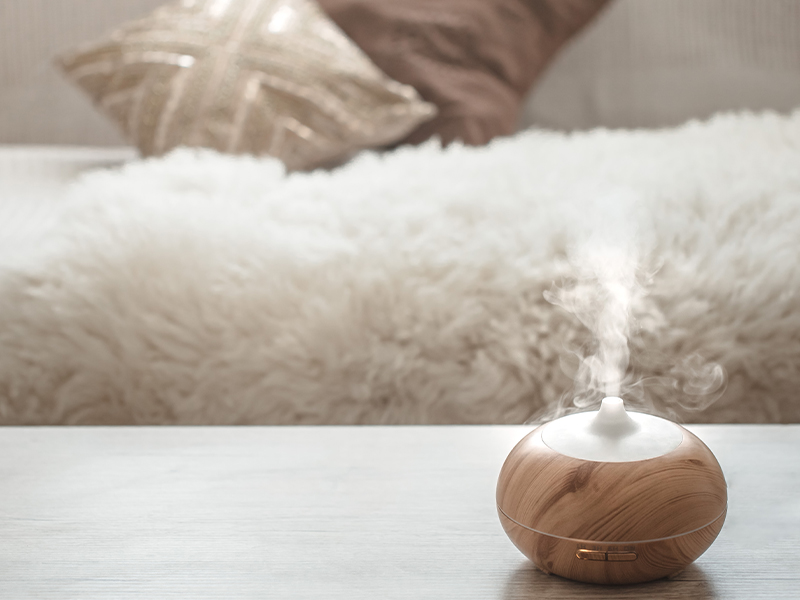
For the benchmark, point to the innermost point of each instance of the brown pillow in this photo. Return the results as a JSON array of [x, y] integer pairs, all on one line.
[[474, 59], [257, 76]]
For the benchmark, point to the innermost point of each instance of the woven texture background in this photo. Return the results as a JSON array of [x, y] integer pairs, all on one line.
[[207, 288]]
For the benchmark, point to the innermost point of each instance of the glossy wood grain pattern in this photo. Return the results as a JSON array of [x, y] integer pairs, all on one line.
[[653, 516], [338, 513]]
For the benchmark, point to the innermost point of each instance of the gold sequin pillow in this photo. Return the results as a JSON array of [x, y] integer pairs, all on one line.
[[244, 76]]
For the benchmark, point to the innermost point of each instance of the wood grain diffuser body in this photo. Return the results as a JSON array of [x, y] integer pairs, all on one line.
[[611, 497]]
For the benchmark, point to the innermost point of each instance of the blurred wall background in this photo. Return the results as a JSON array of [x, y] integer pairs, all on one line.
[[643, 63]]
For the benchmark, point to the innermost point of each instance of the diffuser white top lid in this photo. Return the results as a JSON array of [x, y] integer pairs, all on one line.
[[612, 434]]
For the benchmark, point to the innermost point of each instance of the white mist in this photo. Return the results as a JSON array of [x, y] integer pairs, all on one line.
[[604, 259]]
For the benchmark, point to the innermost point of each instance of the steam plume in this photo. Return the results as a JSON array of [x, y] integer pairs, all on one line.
[[606, 290]]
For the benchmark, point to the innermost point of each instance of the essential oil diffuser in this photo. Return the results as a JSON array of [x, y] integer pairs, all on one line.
[[611, 497]]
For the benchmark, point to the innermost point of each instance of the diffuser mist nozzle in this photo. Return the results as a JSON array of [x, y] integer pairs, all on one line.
[[612, 419], [612, 434]]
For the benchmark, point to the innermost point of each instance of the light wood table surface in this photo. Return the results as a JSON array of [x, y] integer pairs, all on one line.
[[337, 513]]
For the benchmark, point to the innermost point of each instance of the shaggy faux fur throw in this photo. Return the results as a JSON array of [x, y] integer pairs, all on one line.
[[409, 287]]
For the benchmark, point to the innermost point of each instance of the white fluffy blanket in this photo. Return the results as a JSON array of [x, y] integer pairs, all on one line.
[[408, 287]]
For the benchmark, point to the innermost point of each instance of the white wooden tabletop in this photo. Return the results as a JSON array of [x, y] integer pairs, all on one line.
[[337, 512]]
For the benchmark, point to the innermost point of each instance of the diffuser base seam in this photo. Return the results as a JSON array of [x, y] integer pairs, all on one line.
[[561, 537]]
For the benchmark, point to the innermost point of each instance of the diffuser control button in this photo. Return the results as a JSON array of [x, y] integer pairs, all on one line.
[[585, 554], [621, 556]]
